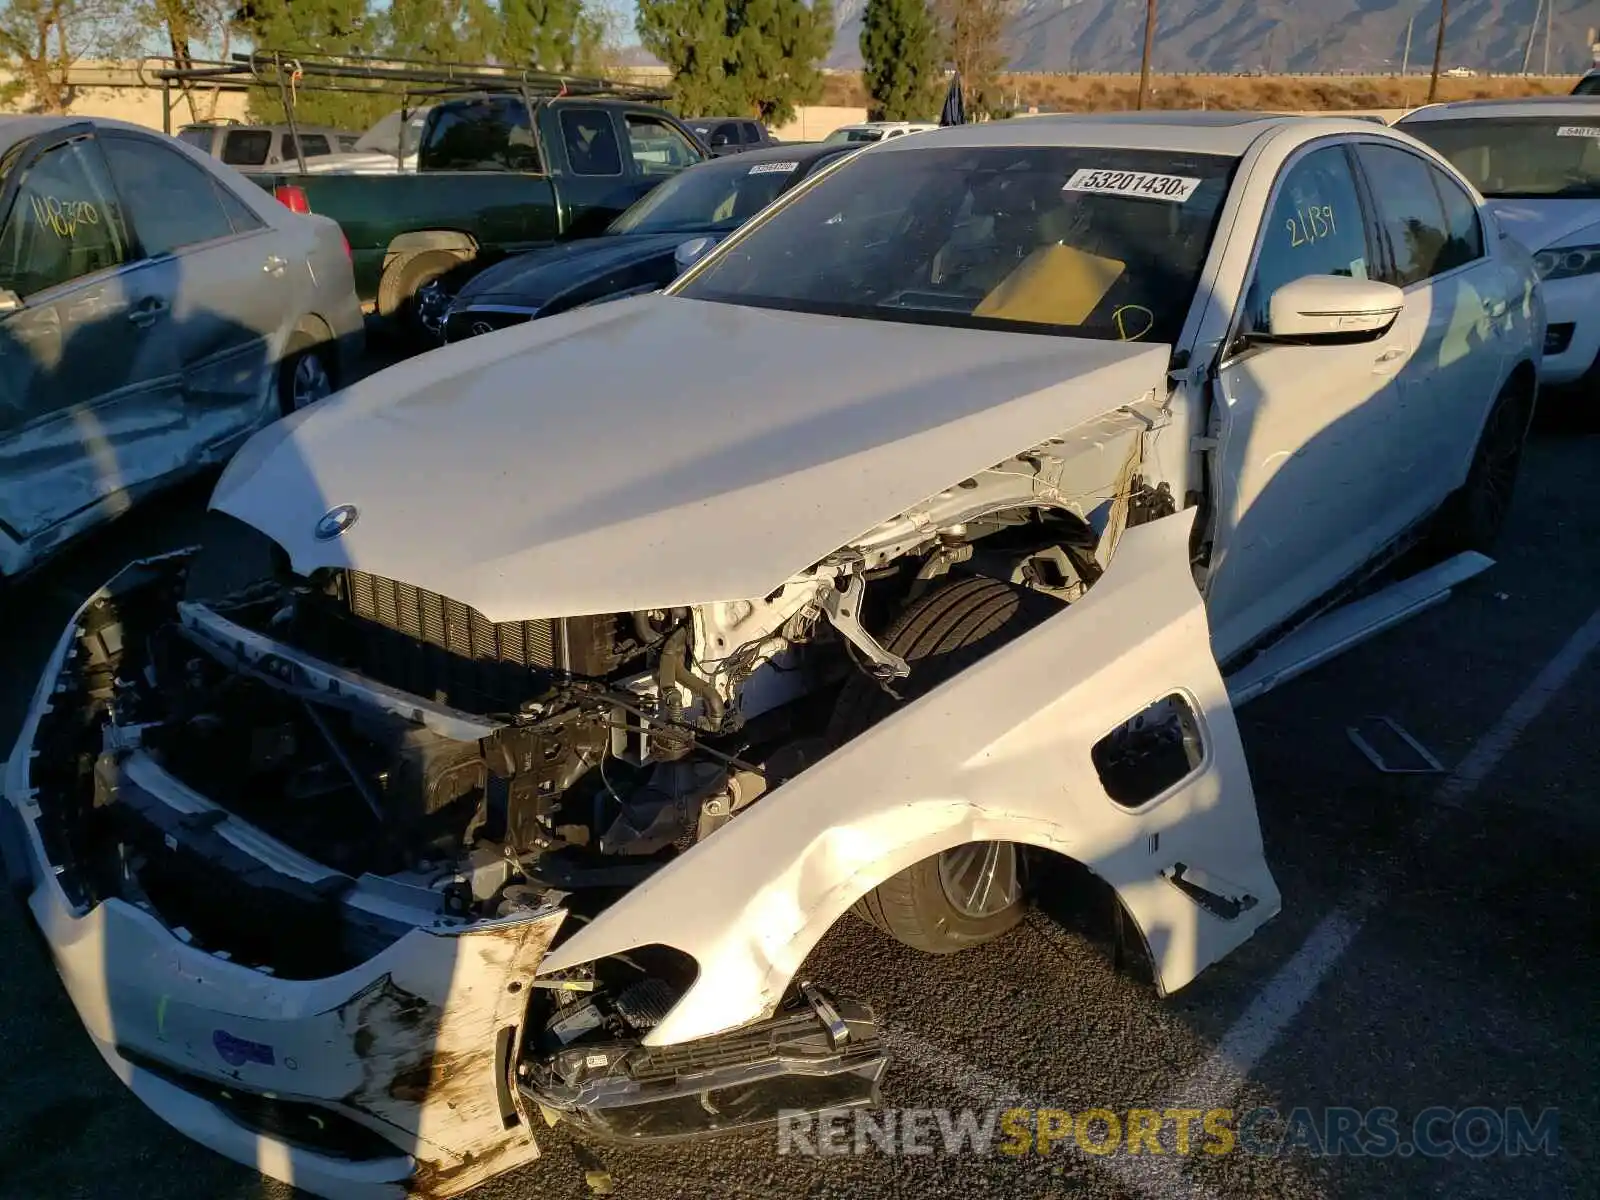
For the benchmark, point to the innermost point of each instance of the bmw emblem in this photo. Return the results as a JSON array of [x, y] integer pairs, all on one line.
[[335, 521]]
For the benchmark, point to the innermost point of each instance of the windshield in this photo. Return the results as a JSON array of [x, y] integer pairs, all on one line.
[[1092, 243], [854, 135], [1521, 157], [386, 136], [727, 192]]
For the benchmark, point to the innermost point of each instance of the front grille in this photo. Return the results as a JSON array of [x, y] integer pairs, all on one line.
[[436, 620], [444, 650], [461, 324]]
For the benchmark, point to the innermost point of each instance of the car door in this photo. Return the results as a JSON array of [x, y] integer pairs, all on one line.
[[239, 282], [90, 407], [1306, 431], [1454, 324], [596, 185]]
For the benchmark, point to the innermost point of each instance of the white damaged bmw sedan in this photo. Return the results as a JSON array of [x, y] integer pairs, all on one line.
[[533, 709]]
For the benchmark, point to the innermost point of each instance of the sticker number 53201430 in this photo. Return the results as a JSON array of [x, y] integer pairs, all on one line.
[[1143, 184]]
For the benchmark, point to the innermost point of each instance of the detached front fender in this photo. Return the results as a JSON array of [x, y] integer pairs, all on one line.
[[1001, 752]]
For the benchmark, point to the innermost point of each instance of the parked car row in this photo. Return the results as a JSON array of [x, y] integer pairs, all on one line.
[[540, 703]]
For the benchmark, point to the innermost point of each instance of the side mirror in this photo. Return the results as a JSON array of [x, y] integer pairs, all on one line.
[[1332, 309], [690, 252], [10, 302], [721, 137]]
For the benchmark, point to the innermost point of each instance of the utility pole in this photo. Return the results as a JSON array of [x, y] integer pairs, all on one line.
[[1438, 51], [1533, 32], [1149, 49], [1405, 59], [1549, 14]]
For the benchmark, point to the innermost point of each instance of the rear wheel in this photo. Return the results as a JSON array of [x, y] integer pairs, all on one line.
[[973, 893], [1473, 517], [305, 375]]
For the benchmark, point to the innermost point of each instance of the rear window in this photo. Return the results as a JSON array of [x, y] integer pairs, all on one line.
[[492, 134], [247, 147], [200, 139]]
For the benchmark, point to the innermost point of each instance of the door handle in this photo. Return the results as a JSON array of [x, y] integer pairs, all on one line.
[[144, 314], [274, 264], [1496, 309]]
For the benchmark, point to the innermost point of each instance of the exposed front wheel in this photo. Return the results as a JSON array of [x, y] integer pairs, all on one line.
[[973, 893]]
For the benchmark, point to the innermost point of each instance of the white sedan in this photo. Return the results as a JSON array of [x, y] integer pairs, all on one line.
[[1537, 161], [536, 707]]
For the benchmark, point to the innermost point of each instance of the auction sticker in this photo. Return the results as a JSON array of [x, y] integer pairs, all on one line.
[[777, 168], [1146, 185], [1586, 131]]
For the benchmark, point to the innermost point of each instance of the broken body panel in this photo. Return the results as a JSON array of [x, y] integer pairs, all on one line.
[[1002, 752]]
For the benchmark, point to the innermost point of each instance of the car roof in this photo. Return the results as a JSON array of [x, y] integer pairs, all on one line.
[[1227, 133], [1527, 106], [20, 129], [800, 152]]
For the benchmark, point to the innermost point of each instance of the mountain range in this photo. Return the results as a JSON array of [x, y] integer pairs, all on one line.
[[1274, 36]]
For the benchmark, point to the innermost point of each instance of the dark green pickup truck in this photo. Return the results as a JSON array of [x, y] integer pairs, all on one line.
[[495, 175]]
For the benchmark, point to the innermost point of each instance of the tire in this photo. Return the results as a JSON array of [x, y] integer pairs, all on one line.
[[397, 290], [939, 905], [1472, 518], [305, 375]]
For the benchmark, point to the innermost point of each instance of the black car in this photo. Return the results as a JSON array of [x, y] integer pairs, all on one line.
[[638, 251], [731, 135]]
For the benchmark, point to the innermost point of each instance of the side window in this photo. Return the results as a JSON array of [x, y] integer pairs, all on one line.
[[591, 141], [65, 223], [1315, 228], [171, 201], [240, 215], [1410, 212], [492, 134], [247, 147], [347, 142], [752, 133], [657, 148], [314, 144], [1461, 219], [725, 134]]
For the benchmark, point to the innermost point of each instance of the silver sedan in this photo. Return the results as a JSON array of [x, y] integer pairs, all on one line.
[[156, 308]]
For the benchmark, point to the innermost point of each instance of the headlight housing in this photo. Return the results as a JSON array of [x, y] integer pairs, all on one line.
[[1567, 262]]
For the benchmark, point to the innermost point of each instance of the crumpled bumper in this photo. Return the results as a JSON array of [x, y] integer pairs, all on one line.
[[393, 1077]]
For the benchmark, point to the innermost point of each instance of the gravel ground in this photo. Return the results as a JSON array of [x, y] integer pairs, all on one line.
[[1464, 921]]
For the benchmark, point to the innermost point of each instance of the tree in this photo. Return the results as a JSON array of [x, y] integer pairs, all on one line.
[[736, 57], [42, 41], [779, 46], [442, 30], [974, 35], [901, 54], [181, 23], [552, 35], [318, 27], [691, 38]]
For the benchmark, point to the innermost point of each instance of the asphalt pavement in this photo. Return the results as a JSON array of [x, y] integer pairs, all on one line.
[[1436, 956]]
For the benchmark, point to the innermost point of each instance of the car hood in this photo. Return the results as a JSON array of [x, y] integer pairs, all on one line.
[[1540, 223], [658, 451], [536, 276]]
